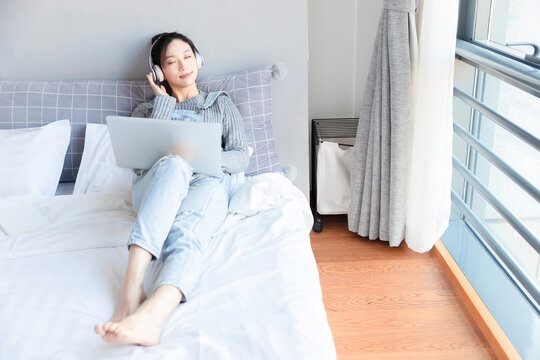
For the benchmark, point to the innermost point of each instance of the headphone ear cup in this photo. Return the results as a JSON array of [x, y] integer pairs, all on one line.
[[158, 74]]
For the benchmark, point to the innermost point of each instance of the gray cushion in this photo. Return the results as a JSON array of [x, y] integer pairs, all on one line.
[[251, 92], [36, 103]]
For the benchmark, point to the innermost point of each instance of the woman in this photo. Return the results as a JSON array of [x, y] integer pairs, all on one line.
[[177, 210]]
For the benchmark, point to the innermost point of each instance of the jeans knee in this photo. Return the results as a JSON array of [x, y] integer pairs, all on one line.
[[186, 243], [176, 165]]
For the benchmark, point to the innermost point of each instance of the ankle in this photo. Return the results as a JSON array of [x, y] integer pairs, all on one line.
[[155, 314], [133, 284]]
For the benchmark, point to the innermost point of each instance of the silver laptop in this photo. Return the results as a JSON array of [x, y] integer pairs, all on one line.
[[139, 142]]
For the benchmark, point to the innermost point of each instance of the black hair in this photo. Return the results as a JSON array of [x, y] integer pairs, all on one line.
[[160, 42]]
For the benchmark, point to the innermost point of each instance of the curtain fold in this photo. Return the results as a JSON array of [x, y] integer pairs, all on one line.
[[394, 189], [430, 169], [378, 192]]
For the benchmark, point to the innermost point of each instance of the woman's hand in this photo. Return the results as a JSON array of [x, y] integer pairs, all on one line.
[[156, 89]]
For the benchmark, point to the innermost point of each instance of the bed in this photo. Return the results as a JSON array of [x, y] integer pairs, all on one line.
[[259, 295]]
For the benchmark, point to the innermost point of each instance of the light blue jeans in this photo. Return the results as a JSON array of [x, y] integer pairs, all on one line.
[[177, 213]]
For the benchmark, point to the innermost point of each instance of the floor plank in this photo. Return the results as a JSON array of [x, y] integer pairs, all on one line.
[[390, 303]]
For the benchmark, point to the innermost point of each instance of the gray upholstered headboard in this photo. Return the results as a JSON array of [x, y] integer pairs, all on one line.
[[35, 103]]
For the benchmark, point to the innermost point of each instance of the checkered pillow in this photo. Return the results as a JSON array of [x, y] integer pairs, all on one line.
[[26, 104], [251, 92]]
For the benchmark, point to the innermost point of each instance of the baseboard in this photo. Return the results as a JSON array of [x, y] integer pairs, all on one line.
[[493, 333]]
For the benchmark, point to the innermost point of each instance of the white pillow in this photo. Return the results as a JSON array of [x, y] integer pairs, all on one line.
[[31, 159], [98, 171]]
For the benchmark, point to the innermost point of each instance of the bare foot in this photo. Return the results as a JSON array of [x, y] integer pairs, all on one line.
[[131, 299], [139, 328]]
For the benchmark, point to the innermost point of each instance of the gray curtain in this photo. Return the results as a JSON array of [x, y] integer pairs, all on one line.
[[381, 152]]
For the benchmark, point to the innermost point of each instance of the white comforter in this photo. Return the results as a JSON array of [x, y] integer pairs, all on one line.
[[258, 297]]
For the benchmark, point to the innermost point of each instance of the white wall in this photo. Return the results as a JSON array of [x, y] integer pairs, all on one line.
[[102, 39], [341, 35], [332, 58]]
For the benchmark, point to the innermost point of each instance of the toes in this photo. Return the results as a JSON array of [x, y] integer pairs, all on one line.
[[99, 330], [115, 328], [107, 326]]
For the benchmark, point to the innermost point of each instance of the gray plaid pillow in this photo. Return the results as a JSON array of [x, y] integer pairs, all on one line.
[[35, 103], [251, 92]]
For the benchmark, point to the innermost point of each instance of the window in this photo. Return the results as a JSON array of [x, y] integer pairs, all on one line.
[[494, 232], [512, 103], [509, 27]]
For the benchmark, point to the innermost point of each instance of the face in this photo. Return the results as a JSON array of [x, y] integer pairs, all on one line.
[[179, 65]]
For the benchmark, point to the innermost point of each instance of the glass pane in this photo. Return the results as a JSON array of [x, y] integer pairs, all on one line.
[[522, 109], [515, 21], [527, 258], [502, 22], [511, 196]]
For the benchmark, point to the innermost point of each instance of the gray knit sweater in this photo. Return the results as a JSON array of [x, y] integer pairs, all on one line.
[[234, 155]]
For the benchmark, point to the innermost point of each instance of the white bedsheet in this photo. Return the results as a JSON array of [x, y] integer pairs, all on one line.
[[258, 297]]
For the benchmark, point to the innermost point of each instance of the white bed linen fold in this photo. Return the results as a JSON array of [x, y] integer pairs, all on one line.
[[258, 296], [76, 222]]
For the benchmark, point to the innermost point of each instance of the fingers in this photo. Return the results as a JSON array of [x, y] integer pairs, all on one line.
[[150, 79], [157, 90]]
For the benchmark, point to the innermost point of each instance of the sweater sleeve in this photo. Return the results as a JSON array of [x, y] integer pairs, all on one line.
[[161, 107], [234, 157]]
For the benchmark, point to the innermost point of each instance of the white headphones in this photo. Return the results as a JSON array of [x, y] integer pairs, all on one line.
[[157, 73]]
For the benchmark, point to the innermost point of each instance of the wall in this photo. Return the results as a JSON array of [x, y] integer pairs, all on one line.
[[61, 39], [101, 39], [341, 35]]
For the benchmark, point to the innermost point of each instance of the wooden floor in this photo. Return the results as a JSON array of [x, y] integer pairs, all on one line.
[[390, 303]]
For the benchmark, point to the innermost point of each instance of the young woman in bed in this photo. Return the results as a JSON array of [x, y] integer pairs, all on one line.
[[177, 210]]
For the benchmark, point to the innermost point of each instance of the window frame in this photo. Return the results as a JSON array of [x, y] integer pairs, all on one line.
[[498, 273], [467, 27]]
